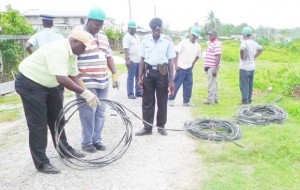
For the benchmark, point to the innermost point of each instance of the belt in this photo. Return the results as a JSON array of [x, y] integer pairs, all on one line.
[[152, 67]]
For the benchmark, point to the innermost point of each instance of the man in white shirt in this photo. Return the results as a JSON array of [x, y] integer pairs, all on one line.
[[131, 45], [187, 54]]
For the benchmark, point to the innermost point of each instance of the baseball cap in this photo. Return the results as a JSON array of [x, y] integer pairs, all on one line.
[[47, 18], [84, 37], [212, 32]]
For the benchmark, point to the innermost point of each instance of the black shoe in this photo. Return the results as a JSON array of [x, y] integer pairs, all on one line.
[[161, 131], [74, 153], [131, 97], [100, 146], [143, 132], [48, 168], [139, 95], [89, 148]]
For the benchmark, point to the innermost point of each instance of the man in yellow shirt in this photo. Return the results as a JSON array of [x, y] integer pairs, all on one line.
[[40, 74]]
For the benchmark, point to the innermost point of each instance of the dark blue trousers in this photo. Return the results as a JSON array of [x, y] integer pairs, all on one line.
[[246, 85], [155, 84], [183, 77], [132, 80], [42, 106]]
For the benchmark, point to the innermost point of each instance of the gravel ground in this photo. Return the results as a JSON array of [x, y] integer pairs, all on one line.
[[152, 162]]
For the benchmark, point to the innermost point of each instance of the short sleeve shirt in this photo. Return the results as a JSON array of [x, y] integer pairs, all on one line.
[[132, 43], [214, 48], [159, 52], [54, 58], [250, 48], [45, 36], [187, 52]]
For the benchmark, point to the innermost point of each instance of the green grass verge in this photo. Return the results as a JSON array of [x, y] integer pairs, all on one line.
[[270, 159], [8, 113]]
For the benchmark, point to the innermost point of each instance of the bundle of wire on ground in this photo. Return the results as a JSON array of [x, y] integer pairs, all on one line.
[[215, 130], [260, 115], [84, 163]]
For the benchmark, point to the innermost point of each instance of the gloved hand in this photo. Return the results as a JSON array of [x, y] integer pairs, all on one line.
[[90, 98], [115, 81]]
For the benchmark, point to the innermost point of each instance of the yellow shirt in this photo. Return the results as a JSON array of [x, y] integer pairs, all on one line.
[[55, 58]]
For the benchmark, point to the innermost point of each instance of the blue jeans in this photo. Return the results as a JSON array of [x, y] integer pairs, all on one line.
[[246, 85], [92, 119], [132, 80], [185, 77]]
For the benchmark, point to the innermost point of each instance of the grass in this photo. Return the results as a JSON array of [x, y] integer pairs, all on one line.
[[8, 113], [270, 159]]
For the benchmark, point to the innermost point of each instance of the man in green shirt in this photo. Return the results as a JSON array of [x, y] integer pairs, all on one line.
[[40, 74]]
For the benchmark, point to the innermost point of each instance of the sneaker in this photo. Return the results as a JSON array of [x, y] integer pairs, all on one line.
[[89, 148], [131, 97], [207, 102], [189, 104], [171, 103], [48, 168], [100, 146]]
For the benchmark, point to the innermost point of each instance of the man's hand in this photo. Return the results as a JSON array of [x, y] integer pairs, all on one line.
[[90, 98], [171, 87], [116, 83], [214, 72]]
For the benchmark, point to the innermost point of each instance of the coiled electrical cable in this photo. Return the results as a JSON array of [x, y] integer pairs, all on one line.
[[260, 115], [85, 163], [215, 130]]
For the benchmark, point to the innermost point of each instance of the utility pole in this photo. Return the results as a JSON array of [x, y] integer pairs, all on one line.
[[154, 11], [129, 4]]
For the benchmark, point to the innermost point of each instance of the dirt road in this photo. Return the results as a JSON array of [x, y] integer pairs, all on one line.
[[152, 162]]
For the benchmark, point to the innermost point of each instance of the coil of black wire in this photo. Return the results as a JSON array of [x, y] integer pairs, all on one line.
[[260, 115], [85, 163], [216, 130]]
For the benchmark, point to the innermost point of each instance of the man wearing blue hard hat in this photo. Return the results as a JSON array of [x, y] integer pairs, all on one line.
[[93, 68], [131, 45]]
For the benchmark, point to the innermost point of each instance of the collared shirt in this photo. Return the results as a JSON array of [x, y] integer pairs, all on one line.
[[250, 48], [132, 43], [159, 52], [45, 36], [54, 58], [187, 52], [214, 48], [92, 64]]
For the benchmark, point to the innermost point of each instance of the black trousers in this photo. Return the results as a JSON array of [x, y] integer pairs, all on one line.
[[155, 84], [42, 106]]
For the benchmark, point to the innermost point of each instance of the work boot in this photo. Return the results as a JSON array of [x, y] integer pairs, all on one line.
[[162, 131], [48, 168]]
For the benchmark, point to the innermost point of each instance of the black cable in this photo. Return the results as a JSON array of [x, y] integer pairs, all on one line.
[[260, 115], [85, 163], [215, 130]]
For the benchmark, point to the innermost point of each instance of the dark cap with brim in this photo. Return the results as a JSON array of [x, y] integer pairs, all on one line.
[[212, 32], [155, 23], [47, 18]]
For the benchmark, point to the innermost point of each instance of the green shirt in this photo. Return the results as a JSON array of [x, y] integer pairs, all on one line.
[[55, 58]]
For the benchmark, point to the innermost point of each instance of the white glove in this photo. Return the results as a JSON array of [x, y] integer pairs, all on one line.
[[90, 98]]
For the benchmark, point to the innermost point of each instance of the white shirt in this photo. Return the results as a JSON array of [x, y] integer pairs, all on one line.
[[187, 52], [45, 36], [132, 43]]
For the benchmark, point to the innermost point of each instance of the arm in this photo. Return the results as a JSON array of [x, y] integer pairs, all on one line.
[[127, 60], [141, 72], [214, 72], [176, 61], [258, 53], [71, 83], [195, 60], [28, 47], [111, 64]]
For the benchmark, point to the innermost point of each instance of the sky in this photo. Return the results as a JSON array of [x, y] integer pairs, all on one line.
[[180, 15]]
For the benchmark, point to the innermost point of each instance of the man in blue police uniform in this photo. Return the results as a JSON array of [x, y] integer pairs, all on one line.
[[155, 76], [43, 37]]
